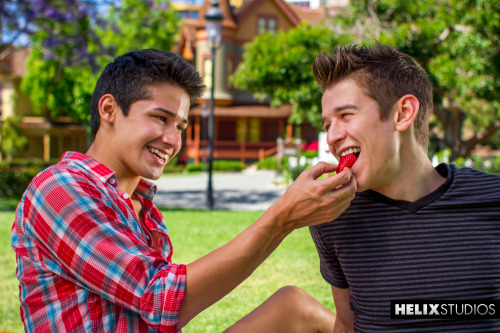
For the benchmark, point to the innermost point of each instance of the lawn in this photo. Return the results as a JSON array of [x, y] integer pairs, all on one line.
[[195, 233]]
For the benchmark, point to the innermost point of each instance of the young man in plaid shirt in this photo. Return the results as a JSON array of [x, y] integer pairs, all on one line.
[[93, 251]]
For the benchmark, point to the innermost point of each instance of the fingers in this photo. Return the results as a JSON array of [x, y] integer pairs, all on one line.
[[340, 198], [314, 204], [319, 169], [310, 201], [333, 182]]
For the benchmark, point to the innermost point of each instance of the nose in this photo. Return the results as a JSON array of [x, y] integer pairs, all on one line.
[[172, 136], [335, 135]]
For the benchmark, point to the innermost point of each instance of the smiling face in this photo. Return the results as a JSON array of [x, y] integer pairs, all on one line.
[[352, 122], [150, 135]]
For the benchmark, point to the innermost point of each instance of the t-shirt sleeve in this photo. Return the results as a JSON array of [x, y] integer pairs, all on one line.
[[329, 264]]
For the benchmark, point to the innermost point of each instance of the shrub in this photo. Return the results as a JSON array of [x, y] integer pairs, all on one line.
[[220, 165], [485, 164], [309, 153], [268, 163], [226, 165], [489, 164], [173, 166], [194, 167], [271, 163], [15, 176]]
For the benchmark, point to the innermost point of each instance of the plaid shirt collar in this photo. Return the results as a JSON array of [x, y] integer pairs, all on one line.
[[145, 188]]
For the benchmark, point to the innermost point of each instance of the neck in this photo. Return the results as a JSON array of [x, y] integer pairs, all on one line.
[[414, 177], [126, 183]]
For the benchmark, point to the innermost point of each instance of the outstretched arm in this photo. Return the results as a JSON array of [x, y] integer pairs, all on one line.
[[344, 322], [309, 201]]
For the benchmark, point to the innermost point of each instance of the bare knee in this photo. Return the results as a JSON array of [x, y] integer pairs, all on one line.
[[291, 293], [307, 311], [290, 309]]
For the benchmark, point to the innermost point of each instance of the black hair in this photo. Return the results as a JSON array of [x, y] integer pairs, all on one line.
[[130, 76]]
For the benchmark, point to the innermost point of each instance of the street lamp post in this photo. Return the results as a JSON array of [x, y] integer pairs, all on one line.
[[213, 30]]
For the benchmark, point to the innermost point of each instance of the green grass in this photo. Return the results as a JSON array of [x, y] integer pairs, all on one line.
[[194, 234], [10, 319]]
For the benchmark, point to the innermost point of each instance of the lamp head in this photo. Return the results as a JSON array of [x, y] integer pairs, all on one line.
[[213, 26]]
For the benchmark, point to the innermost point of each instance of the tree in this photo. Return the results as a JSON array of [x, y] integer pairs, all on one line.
[[11, 140], [60, 81], [139, 24], [23, 18], [278, 66], [457, 42], [60, 75]]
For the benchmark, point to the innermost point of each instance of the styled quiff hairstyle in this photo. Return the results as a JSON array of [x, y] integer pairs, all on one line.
[[384, 74], [130, 76]]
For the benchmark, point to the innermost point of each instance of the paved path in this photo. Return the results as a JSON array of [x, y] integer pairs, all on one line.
[[250, 190]]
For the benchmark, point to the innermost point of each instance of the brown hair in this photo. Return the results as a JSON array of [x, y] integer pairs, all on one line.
[[385, 74]]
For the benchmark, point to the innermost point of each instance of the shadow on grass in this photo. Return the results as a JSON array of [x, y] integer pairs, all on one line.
[[224, 200]]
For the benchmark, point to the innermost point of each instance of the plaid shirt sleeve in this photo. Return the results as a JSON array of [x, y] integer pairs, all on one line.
[[70, 226]]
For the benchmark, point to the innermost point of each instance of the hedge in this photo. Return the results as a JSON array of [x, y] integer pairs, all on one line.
[[15, 176], [220, 165]]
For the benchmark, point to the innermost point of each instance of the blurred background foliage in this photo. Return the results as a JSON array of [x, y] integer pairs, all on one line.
[[456, 41]]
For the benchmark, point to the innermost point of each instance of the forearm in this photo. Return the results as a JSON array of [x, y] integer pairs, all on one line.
[[344, 322], [341, 327], [213, 276], [307, 202]]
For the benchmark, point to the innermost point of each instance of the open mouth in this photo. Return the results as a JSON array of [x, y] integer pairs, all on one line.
[[348, 158], [162, 156], [353, 150]]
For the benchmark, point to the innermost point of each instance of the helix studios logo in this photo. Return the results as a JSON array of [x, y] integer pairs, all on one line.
[[418, 309]]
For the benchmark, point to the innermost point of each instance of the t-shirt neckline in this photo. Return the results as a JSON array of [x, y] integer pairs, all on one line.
[[414, 206]]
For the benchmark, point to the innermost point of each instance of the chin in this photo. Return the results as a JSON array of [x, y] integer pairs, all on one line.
[[153, 175], [156, 175], [361, 186]]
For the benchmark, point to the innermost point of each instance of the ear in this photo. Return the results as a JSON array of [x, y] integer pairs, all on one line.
[[407, 110], [107, 108]]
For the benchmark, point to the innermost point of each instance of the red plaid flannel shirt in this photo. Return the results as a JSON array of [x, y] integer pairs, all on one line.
[[85, 263]]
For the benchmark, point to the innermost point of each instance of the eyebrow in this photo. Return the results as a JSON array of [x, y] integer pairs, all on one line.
[[172, 115], [340, 109]]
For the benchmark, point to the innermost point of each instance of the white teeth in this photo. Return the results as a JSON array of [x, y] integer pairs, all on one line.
[[350, 151], [157, 152]]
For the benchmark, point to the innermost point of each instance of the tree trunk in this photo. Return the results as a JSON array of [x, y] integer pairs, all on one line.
[[452, 120]]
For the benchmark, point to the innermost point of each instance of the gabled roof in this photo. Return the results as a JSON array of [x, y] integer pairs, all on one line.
[[312, 16], [249, 6], [226, 10], [187, 40]]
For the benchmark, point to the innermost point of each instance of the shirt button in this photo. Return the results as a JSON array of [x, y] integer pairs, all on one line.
[[112, 181], [125, 196]]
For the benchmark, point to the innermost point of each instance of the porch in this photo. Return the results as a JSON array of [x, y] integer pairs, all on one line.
[[245, 133]]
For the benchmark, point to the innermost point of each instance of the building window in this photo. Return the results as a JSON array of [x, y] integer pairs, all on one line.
[[266, 24], [254, 130], [304, 4]]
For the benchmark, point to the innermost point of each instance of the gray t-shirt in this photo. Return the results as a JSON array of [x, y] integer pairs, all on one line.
[[444, 246]]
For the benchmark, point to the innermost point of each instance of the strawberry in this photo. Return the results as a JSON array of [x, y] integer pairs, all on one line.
[[346, 161]]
